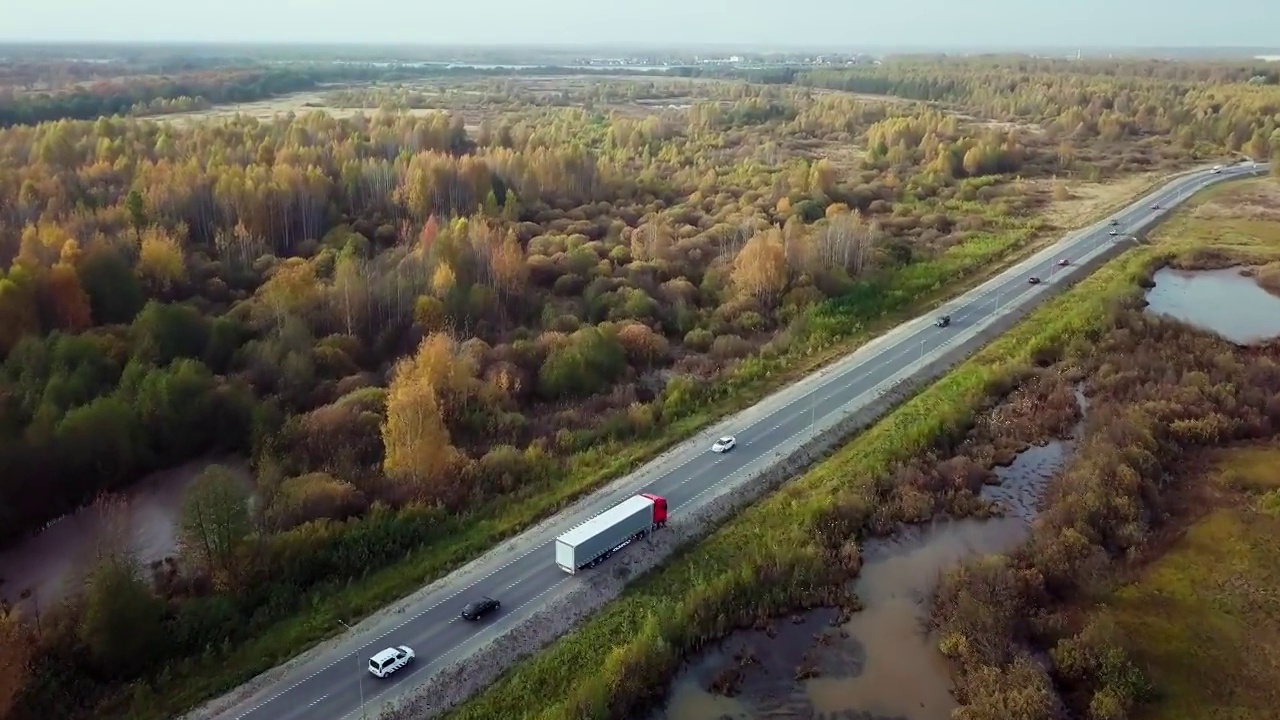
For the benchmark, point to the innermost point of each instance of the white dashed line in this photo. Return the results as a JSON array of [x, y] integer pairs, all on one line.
[[414, 670], [820, 380]]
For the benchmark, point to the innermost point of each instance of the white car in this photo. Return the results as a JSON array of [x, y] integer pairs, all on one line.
[[390, 660], [1115, 233], [724, 444]]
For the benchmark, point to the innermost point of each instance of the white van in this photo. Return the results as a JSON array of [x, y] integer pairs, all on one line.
[[390, 660]]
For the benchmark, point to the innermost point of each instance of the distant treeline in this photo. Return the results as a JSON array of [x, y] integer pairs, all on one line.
[[119, 96], [883, 77]]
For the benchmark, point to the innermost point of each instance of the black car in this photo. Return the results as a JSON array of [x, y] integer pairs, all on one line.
[[1033, 280], [479, 608], [1115, 222], [943, 321]]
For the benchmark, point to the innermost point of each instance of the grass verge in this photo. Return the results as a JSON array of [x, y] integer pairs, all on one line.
[[837, 329], [776, 555]]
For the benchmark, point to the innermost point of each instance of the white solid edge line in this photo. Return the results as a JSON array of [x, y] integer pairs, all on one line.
[[1173, 189]]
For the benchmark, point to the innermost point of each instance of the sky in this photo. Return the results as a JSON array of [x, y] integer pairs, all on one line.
[[835, 24]]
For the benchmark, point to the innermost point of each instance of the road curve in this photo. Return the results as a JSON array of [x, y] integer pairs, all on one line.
[[335, 685]]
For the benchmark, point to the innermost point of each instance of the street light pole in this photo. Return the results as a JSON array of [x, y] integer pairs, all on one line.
[[359, 669]]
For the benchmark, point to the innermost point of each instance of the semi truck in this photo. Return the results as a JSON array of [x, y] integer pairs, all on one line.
[[592, 542]]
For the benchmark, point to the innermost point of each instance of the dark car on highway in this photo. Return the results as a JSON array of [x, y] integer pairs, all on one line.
[[479, 608], [943, 321], [1033, 280]]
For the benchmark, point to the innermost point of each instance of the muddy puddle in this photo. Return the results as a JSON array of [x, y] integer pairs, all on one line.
[[1222, 301], [52, 564], [882, 664]]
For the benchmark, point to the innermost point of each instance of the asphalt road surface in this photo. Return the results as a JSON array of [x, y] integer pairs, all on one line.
[[338, 687]]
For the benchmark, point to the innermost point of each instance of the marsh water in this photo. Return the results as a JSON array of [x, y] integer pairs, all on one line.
[[882, 664], [1222, 301], [52, 563]]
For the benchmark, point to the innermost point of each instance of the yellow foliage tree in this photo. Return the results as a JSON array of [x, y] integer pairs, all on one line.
[[836, 209], [822, 177], [974, 161], [510, 271], [160, 260], [292, 290], [439, 363], [418, 447], [761, 267], [443, 280]]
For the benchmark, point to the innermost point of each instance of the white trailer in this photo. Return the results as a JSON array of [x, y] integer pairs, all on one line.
[[596, 539]]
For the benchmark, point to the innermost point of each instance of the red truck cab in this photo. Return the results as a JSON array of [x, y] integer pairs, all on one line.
[[659, 508]]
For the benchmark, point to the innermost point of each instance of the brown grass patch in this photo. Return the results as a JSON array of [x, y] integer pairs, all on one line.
[[265, 110], [1243, 201], [1266, 276], [1089, 201]]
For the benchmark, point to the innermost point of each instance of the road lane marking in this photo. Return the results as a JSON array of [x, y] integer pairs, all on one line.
[[904, 345], [415, 669], [1018, 299]]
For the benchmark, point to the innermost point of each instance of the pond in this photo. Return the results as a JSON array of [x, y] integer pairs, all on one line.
[[882, 664], [53, 563], [1221, 301]]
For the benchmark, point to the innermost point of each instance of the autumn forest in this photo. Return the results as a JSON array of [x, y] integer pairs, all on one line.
[[429, 310]]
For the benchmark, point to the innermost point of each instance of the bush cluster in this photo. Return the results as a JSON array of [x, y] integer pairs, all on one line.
[[1159, 392]]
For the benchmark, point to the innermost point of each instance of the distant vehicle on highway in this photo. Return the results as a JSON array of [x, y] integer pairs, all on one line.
[[1064, 262], [390, 660], [1155, 206], [943, 321], [592, 542], [1114, 233], [1217, 169], [479, 608], [1114, 222], [1033, 280], [724, 444]]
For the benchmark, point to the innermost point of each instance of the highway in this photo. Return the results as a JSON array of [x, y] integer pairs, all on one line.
[[336, 686]]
